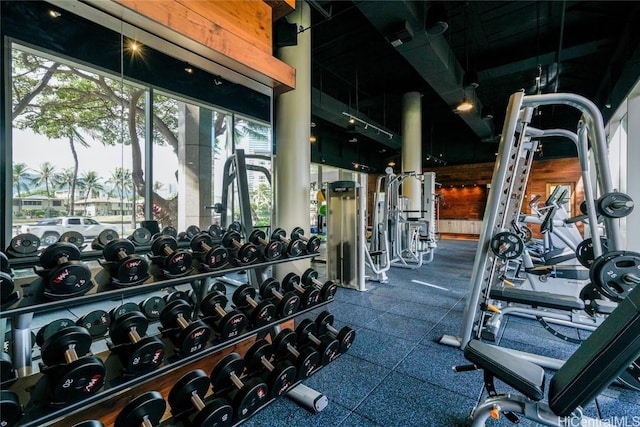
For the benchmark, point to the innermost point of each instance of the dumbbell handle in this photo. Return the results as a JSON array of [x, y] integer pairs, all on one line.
[[134, 336], [621, 204], [251, 301], [261, 241], [283, 239], [197, 402], [236, 244], [205, 246], [277, 294], [313, 339], [146, 422], [70, 354], [316, 281], [62, 259], [221, 311], [167, 250], [293, 350], [182, 322], [265, 362], [121, 254], [299, 288], [331, 329], [236, 381], [631, 278]]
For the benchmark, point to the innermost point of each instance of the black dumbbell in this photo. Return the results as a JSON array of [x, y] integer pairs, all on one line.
[[293, 247], [312, 243], [177, 295], [309, 295], [10, 408], [216, 232], [103, 238], [192, 336], [7, 287], [211, 257], [139, 354], [23, 245], [245, 253], [328, 347], [270, 250], [259, 313], [64, 272], [175, 262], [72, 375], [345, 335], [152, 306], [125, 267], [287, 303], [145, 410], [96, 322], [227, 324], [122, 309], [235, 226], [245, 395], [327, 289], [279, 375], [306, 359], [188, 394], [72, 237], [48, 330], [140, 237]]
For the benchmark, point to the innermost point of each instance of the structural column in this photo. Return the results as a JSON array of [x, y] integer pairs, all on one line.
[[633, 174], [412, 150], [292, 158]]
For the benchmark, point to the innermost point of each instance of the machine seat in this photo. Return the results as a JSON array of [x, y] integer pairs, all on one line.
[[537, 299], [524, 376]]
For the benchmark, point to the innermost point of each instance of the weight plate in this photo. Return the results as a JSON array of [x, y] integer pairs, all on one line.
[[218, 412], [10, 409], [25, 244], [72, 237], [221, 373], [218, 287], [584, 251], [247, 254], [230, 238], [242, 294], [191, 231], [75, 337], [152, 306], [176, 296], [255, 353], [216, 258], [143, 356], [231, 325], [180, 394], [279, 234], [150, 405], [616, 273], [250, 398], [193, 338], [118, 249], [297, 233], [281, 378], [164, 245], [173, 310], [59, 253], [178, 263], [290, 281], [210, 302], [308, 276], [121, 310], [169, 231], [140, 237], [295, 248], [48, 330], [96, 322], [215, 231], [106, 236], [289, 304], [313, 245], [70, 278], [614, 205], [201, 242], [132, 321], [507, 245], [235, 226], [256, 236], [78, 380], [273, 250], [263, 314], [131, 270]]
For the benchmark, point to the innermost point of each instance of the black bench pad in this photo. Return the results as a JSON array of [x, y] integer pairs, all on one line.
[[524, 376], [537, 299]]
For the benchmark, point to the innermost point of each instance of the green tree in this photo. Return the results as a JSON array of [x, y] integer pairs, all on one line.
[[66, 180], [21, 174], [120, 182], [90, 183], [261, 205]]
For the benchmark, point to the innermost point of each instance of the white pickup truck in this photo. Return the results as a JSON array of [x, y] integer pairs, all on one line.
[[50, 229]]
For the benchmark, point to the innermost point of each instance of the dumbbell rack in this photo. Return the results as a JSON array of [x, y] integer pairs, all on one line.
[[117, 391]]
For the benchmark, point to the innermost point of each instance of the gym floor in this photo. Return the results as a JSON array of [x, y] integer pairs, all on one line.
[[396, 374]]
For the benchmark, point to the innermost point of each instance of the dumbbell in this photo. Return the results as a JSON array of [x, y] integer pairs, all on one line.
[[287, 303], [97, 322], [126, 268], [72, 237], [192, 336], [48, 330], [145, 410], [139, 354], [227, 324], [216, 232], [23, 245], [245, 253], [140, 237], [10, 408], [72, 375], [259, 313], [174, 262], [293, 247], [246, 395], [211, 257], [328, 347], [7, 287], [103, 238], [152, 306], [279, 377], [176, 295], [327, 289], [270, 250], [308, 295], [313, 242], [64, 272], [305, 359], [345, 335], [188, 394]]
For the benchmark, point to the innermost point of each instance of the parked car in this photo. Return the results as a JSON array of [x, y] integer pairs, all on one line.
[[50, 229]]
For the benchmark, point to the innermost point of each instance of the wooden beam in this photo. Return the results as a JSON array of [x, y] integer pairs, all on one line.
[[281, 8]]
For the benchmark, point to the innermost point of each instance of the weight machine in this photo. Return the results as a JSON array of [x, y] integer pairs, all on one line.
[[400, 238], [498, 243]]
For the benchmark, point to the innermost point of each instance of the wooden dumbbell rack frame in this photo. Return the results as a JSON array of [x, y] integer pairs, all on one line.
[[106, 404]]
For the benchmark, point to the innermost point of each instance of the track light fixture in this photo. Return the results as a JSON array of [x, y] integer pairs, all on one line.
[[465, 105], [367, 125]]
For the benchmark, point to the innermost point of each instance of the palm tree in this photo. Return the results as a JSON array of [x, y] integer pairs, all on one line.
[[20, 175], [45, 175], [66, 180], [90, 183], [120, 181]]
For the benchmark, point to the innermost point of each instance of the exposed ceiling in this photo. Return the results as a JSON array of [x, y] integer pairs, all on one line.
[[586, 47]]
